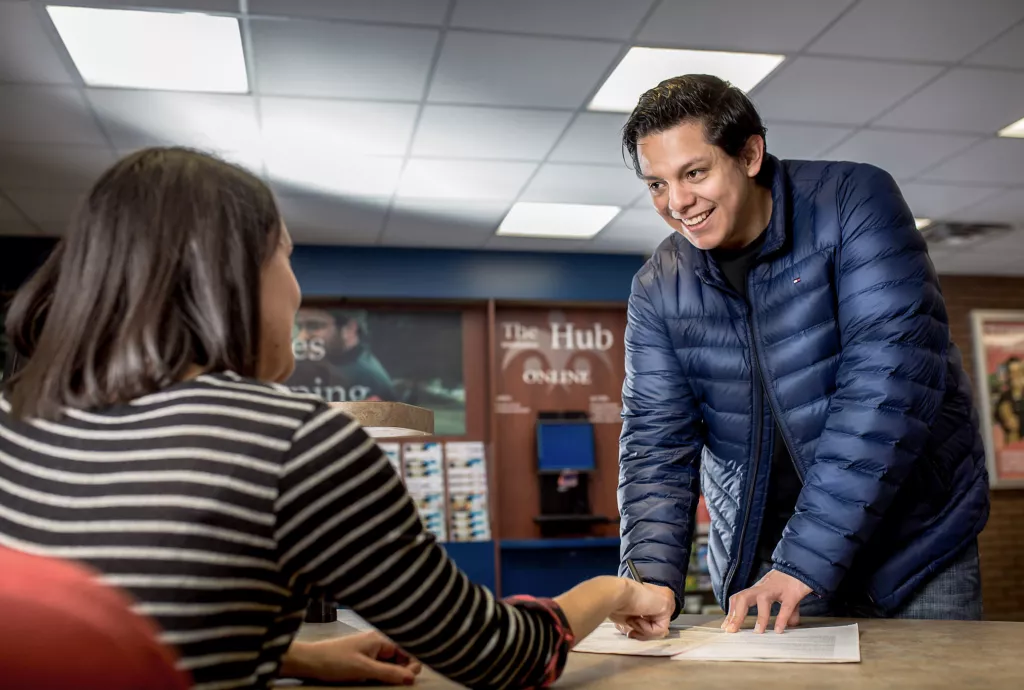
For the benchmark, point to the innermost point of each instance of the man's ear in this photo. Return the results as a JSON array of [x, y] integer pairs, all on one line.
[[752, 155]]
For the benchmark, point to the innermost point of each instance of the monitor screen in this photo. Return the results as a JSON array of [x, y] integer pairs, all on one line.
[[565, 446]]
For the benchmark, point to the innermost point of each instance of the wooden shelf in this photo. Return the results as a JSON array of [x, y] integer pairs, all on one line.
[[389, 419]]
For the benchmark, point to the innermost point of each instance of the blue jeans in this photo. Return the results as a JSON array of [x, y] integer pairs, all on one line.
[[950, 594]]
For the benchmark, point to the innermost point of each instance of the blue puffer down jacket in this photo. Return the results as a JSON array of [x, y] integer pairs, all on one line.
[[846, 343]]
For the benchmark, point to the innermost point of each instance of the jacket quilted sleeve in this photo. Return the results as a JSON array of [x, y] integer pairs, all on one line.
[[659, 450], [889, 387]]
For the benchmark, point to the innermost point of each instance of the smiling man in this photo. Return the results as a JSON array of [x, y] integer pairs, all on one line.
[[788, 355]]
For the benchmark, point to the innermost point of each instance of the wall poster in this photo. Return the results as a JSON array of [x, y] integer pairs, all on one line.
[[999, 362], [352, 355]]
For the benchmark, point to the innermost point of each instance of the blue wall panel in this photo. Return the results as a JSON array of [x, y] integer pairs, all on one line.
[[549, 567], [375, 272], [476, 559]]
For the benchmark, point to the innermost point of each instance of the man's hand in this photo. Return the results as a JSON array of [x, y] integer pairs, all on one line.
[[660, 602], [351, 659], [773, 587]]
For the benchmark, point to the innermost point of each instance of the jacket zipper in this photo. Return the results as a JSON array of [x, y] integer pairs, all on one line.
[[771, 403], [758, 399]]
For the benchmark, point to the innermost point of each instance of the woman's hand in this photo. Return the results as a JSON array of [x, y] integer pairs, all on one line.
[[351, 659], [645, 611], [773, 587]]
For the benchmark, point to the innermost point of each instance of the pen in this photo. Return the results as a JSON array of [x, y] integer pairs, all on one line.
[[633, 571]]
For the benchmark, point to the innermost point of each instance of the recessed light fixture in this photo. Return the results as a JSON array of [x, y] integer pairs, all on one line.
[[645, 68], [1014, 130], [153, 50], [922, 223], [556, 221]]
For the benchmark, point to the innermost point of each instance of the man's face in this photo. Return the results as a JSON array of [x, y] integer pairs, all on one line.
[[701, 191], [316, 324]]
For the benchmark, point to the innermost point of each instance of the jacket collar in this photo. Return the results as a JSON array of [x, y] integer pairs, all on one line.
[[778, 231]]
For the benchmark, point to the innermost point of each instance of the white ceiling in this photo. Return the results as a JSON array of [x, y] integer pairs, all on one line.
[[360, 108]]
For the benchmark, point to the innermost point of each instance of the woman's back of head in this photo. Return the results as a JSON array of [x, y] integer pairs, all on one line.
[[159, 273]]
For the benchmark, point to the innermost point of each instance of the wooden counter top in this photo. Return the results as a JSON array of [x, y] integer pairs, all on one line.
[[895, 654]]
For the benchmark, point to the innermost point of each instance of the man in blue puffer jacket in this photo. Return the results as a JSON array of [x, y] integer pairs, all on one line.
[[788, 348]]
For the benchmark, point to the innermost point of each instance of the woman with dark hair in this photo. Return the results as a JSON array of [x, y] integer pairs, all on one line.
[[144, 437]]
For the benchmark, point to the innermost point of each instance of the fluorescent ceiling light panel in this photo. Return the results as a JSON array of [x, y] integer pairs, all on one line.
[[561, 221], [1014, 130], [153, 50], [645, 68], [922, 223]]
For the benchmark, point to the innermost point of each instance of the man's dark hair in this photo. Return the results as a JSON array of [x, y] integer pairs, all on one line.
[[159, 270], [727, 115]]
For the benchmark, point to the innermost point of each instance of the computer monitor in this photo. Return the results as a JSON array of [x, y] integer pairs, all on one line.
[[565, 446]]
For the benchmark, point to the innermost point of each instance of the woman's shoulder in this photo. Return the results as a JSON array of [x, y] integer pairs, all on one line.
[[229, 390]]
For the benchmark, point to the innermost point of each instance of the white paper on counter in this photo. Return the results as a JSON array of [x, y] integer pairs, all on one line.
[[820, 645], [608, 640], [833, 644]]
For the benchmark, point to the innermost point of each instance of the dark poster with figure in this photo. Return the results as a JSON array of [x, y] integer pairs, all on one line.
[[353, 355]]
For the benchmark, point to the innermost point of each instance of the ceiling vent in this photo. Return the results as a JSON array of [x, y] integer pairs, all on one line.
[[942, 234]]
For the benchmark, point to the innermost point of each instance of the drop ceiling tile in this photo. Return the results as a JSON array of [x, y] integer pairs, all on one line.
[[47, 115], [640, 229], [1005, 51], [584, 184], [614, 19], [12, 222], [50, 210], [425, 12], [474, 132], [774, 26], [356, 127], [194, 5], [592, 138], [964, 100], [215, 122], [304, 58], [947, 30], [26, 52], [443, 223], [319, 218], [937, 201], [1001, 248], [805, 90], [965, 264], [902, 154], [34, 166], [1005, 207], [332, 172], [802, 142], [16, 228], [493, 69], [447, 179], [332, 237], [998, 161]]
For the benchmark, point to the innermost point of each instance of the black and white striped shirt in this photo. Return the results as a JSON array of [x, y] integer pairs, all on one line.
[[223, 504]]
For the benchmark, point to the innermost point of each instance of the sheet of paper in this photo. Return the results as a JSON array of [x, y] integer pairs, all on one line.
[[468, 511], [393, 451], [835, 644], [424, 478], [607, 640]]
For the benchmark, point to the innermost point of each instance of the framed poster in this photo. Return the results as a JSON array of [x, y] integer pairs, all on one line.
[[414, 357], [999, 362]]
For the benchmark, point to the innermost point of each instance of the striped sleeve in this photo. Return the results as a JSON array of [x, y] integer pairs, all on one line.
[[347, 527]]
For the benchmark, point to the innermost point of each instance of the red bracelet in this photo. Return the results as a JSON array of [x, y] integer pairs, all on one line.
[[565, 641]]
